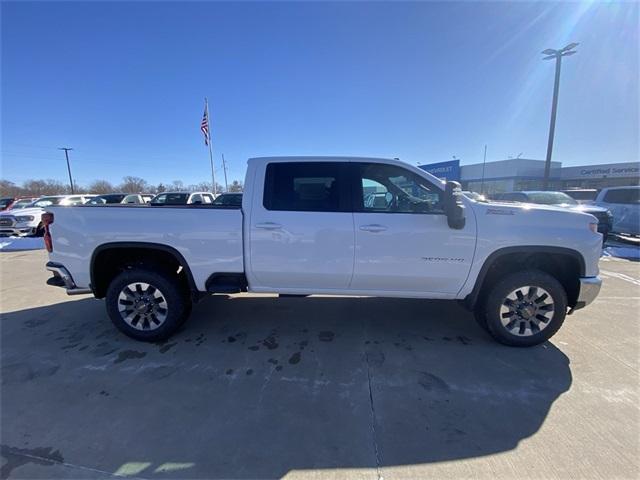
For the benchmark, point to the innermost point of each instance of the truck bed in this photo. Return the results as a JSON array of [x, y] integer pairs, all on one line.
[[209, 238]]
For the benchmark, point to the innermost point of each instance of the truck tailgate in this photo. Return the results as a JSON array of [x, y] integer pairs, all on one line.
[[209, 239]]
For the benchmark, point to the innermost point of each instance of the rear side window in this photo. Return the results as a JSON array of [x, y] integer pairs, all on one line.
[[625, 196], [306, 187]]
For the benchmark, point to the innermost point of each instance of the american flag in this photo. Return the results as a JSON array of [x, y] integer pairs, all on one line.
[[204, 126]]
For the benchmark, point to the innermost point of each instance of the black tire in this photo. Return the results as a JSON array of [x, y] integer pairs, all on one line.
[[166, 286], [479, 314], [552, 307], [40, 231]]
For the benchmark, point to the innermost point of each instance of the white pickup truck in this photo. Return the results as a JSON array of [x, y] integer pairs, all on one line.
[[338, 226]]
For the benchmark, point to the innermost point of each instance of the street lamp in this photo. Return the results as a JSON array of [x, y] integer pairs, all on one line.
[[66, 154], [557, 54]]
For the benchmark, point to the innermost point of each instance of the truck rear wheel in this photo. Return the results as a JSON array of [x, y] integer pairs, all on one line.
[[525, 308], [146, 304]]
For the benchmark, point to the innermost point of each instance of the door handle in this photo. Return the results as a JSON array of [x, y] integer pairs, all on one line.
[[268, 226], [374, 228]]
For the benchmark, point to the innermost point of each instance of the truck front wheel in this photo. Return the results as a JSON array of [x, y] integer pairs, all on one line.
[[146, 304], [524, 308]]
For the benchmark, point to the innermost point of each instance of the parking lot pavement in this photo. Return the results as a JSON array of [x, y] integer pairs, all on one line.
[[263, 387]]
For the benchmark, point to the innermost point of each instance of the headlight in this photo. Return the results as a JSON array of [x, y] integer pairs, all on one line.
[[593, 226], [25, 218]]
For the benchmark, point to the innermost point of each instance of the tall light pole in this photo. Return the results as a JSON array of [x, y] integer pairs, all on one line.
[[66, 154], [557, 54]]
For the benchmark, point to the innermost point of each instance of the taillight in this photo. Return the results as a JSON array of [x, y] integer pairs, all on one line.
[[47, 219]]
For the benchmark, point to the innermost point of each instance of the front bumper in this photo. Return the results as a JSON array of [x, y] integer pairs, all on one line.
[[17, 231], [589, 290], [62, 278]]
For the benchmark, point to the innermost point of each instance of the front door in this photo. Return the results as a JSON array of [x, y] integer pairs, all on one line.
[[302, 230], [403, 241]]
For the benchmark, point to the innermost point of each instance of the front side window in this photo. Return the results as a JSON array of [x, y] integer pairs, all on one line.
[[393, 189], [305, 187]]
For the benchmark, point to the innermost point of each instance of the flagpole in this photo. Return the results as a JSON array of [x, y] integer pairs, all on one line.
[[224, 168], [213, 172]]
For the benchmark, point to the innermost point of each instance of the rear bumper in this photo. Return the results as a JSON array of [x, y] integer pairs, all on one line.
[[589, 290], [62, 278]]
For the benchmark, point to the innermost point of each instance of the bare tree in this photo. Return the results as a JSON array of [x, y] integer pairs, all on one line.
[[133, 185], [10, 189], [100, 186], [177, 185], [236, 186], [44, 187], [161, 188]]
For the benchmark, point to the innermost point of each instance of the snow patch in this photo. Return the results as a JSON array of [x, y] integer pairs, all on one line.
[[622, 252], [15, 244]]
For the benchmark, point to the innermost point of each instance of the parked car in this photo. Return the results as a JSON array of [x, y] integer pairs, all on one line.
[[582, 195], [229, 200], [147, 197], [560, 199], [6, 202], [624, 203], [182, 198], [22, 202], [133, 198], [107, 199], [73, 200], [26, 221], [304, 228]]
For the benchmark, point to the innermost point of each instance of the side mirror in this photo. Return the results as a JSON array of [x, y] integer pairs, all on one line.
[[453, 206]]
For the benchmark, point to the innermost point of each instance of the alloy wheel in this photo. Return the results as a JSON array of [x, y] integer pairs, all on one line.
[[526, 311], [142, 306]]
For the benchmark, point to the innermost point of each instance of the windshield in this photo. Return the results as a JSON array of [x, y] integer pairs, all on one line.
[[583, 194], [46, 201], [102, 199], [170, 199], [550, 198], [22, 204]]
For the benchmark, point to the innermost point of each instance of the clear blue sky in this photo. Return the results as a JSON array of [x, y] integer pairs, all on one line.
[[123, 84]]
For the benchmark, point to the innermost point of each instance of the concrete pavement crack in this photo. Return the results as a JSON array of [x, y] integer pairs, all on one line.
[[373, 418], [8, 451]]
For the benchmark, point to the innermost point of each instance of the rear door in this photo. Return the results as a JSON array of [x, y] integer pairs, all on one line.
[[301, 229], [403, 241]]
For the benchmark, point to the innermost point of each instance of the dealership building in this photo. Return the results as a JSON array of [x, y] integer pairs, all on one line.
[[517, 174]]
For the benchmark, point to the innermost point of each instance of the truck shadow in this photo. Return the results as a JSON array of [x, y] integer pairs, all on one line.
[[255, 387]]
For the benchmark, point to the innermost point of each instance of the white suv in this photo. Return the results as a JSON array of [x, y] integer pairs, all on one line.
[[624, 204]]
